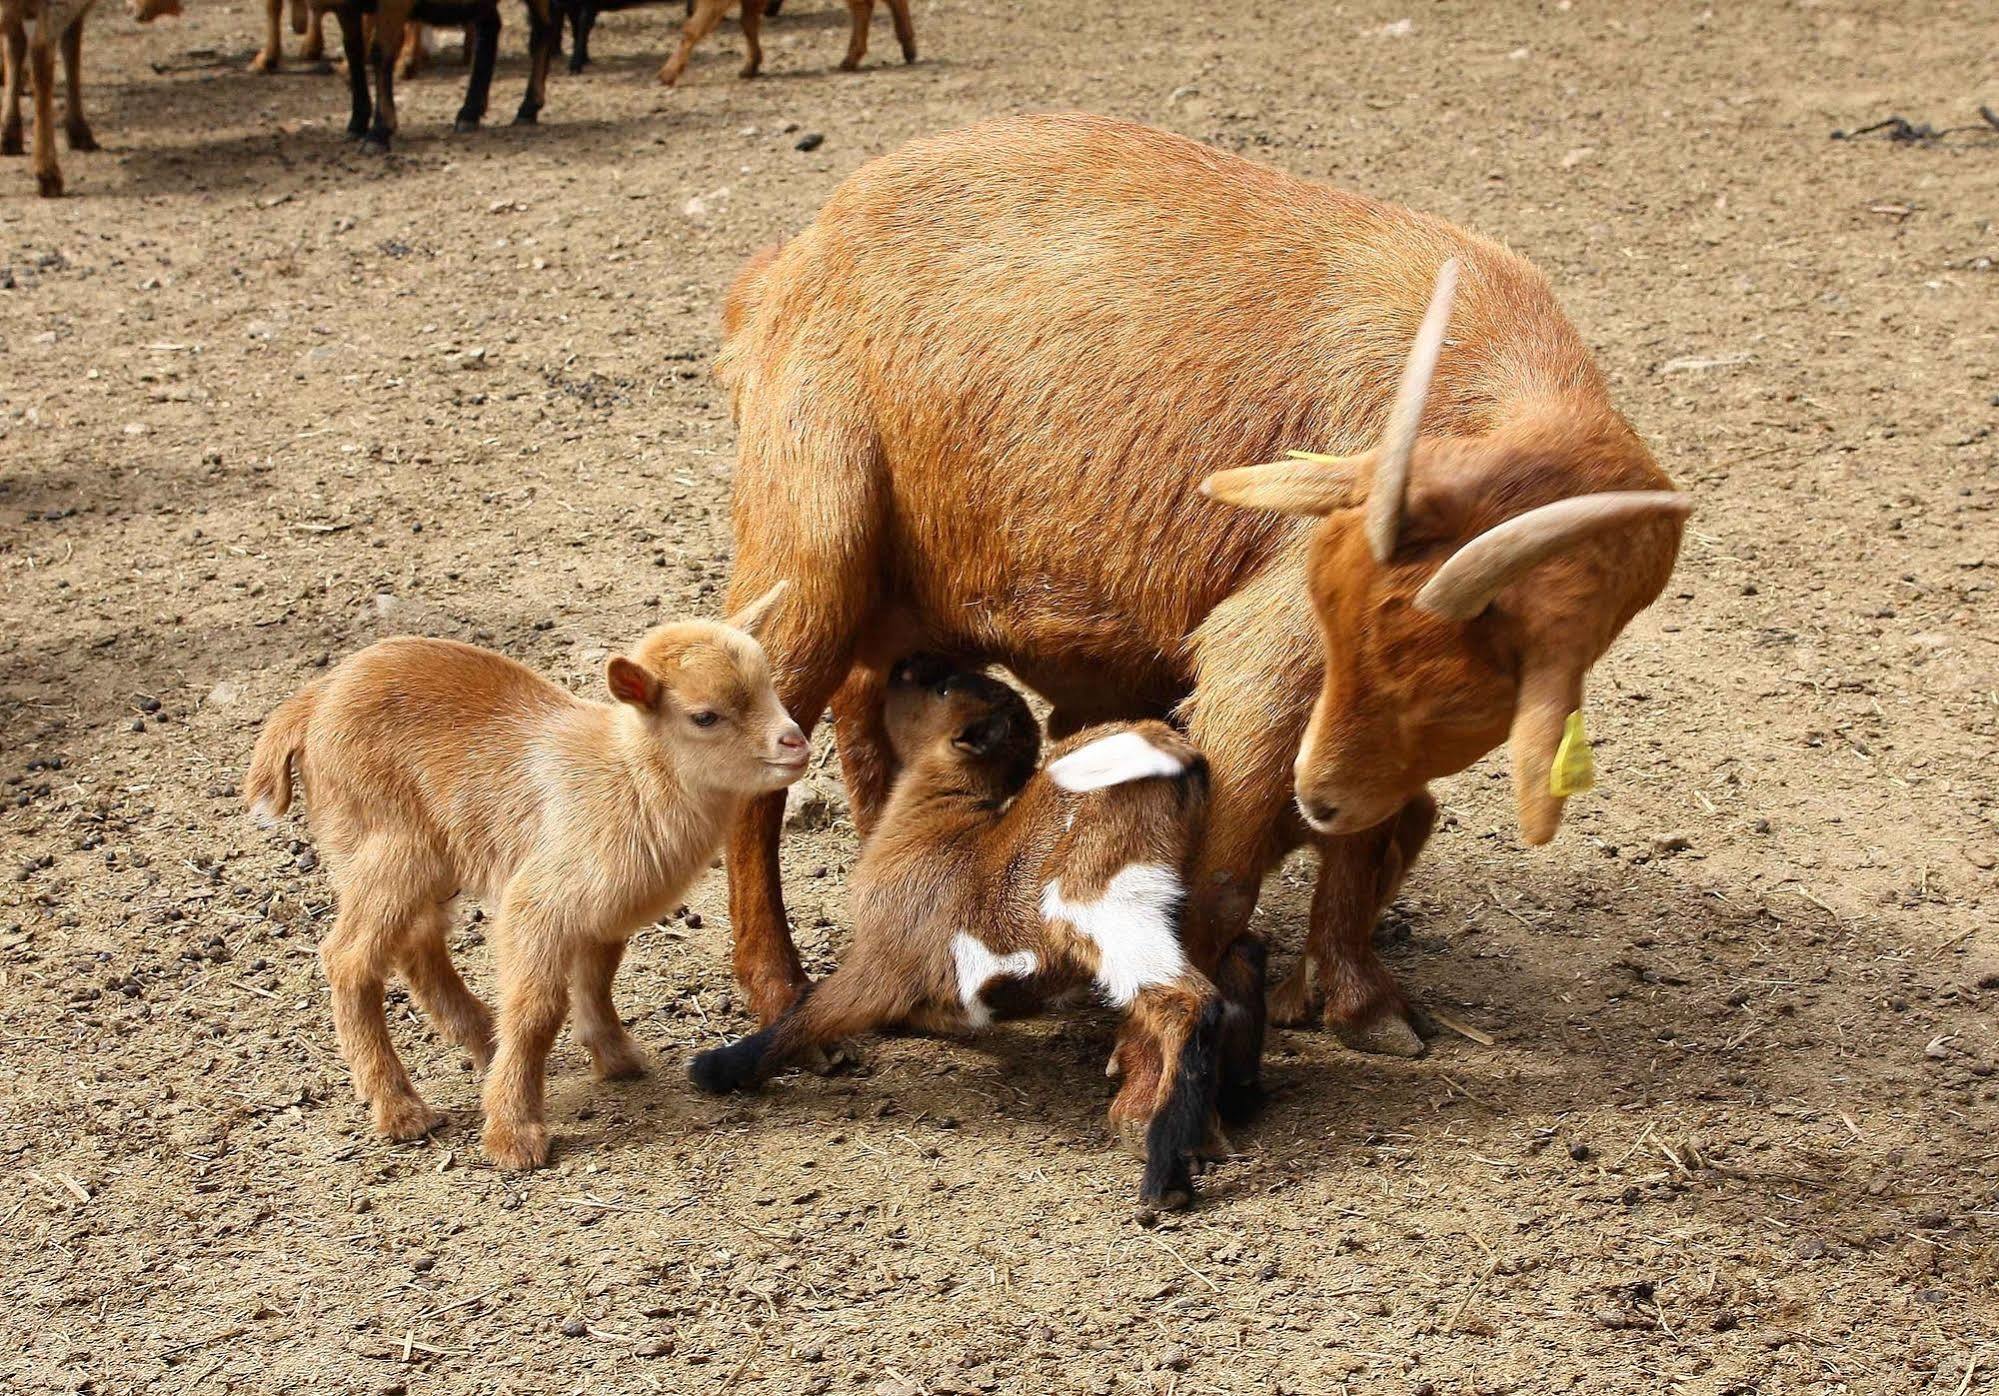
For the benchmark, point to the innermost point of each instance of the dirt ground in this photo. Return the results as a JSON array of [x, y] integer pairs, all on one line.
[[264, 399]]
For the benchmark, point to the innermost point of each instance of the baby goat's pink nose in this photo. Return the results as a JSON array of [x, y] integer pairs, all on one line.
[[791, 739]]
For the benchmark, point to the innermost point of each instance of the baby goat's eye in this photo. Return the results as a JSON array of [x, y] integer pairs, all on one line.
[[704, 719]]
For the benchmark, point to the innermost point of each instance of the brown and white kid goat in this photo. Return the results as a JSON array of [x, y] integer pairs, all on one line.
[[432, 767], [987, 887], [977, 396]]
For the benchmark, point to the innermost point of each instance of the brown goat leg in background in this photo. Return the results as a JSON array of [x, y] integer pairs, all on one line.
[[41, 59], [859, 14], [76, 130], [17, 72], [707, 14], [905, 31]]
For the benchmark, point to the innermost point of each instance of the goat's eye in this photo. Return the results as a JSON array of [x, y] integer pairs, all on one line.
[[705, 719]]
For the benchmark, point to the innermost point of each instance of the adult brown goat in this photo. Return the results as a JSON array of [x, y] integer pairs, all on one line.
[[976, 399]]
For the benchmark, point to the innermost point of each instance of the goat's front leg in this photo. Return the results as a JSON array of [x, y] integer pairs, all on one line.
[[485, 52], [542, 33], [75, 128], [353, 45], [1340, 978], [42, 58], [537, 952], [707, 14], [271, 56], [387, 48]]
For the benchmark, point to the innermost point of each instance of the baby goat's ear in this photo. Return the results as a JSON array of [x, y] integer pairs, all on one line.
[[630, 683], [751, 616]]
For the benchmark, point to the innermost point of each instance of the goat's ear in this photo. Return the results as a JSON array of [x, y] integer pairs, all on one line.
[[753, 615], [1548, 694], [1310, 486], [630, 683], [982, 736]]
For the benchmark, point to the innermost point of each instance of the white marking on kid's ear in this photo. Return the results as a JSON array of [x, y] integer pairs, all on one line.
[[1134, 924], [1112, 760], [978, 967]]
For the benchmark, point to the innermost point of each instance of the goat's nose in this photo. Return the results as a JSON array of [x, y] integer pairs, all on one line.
[[791, 739]]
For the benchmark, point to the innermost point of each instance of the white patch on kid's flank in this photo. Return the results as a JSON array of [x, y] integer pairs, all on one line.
[[978, 967], [1133, 925], [1112, 760]]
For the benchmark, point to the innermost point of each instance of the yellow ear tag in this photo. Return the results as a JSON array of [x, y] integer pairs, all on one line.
[[1574, 770]]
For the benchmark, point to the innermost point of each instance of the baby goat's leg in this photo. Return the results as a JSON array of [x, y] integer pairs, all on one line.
[[485, 52], [1180, 1019], [75, 127], [858, 997], [752, 20], [613, 1053], [454, 1009], [536, 955], [357, 953]]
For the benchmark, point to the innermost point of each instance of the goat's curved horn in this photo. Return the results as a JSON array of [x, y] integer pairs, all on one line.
[[1391, 471], [1475, 573]]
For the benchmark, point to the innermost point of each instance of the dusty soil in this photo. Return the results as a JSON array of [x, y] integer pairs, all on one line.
[[263, 400]]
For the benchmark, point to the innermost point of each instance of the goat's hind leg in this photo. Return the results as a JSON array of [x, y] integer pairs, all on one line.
[[376, 904], [614, 1055], [543, 32], [858, 997], [1179, 1022], [454, 1009]]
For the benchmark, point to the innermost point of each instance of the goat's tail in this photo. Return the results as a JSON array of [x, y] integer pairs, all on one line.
[[1179, 1127], [268, 786]]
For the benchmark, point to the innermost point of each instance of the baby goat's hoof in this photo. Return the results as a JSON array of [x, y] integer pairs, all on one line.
[[372, 144], [80, 138], [617, 1061], [11, 144], [524, 117], [50, 184], [404, 1117], [465, 125], [516, 1147]]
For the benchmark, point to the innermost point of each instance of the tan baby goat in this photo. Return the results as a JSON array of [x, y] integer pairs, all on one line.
[[432, 767], [990, 888]]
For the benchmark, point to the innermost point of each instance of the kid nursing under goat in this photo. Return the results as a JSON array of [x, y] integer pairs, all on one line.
[[990, 888], [431, 767]]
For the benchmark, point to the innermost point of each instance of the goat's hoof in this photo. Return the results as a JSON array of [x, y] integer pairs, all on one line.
[[516, 1147], [1294, 1004], [847, 65], [576, 65], [372, 144], [909, 54], [749, 70], [404, 1117], [80, 138], [1130, 1136], [618, 1061], [527, 118], [12, 144], [1177, 1198], [1391, 1033], [49, 182], [465, 125], [264, 63], [833, 1058]]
